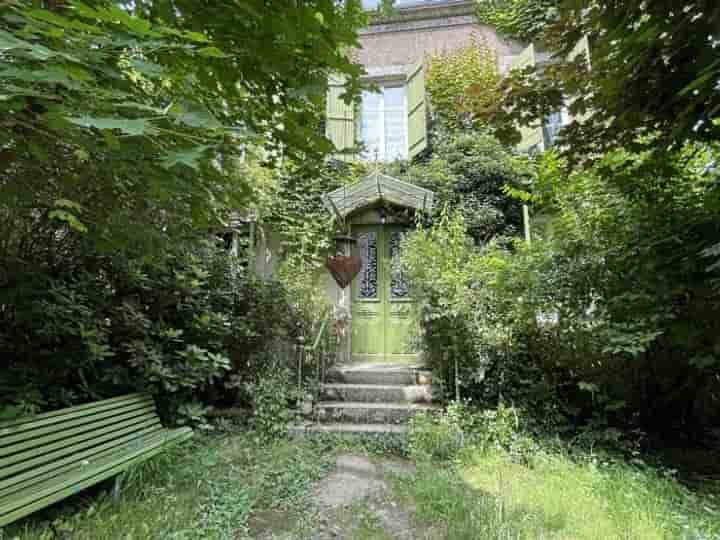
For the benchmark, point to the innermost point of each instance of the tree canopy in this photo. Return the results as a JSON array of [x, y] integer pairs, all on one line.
[[652, 80], [151, 106]]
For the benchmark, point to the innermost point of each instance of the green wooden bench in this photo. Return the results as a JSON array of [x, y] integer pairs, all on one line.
[[50, 456]]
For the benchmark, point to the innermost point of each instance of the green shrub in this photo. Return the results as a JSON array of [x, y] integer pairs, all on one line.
[[436, 436], [185, 325], [272, 392]]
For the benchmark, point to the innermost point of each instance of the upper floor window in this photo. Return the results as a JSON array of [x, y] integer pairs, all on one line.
[[383, 124]]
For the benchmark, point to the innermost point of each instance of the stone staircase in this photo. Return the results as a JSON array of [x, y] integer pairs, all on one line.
[[369, 398]]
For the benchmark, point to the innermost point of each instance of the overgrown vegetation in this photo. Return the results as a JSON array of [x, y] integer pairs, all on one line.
[[521, 19], [611, 308], [462, 84], [498, 482], [184, 326], [134, 133], [218, 487], [650, 82]]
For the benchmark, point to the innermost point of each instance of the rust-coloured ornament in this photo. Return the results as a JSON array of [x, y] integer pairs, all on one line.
[[344, 268]]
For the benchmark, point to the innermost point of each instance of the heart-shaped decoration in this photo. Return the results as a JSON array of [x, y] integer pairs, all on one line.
[[344, 268]]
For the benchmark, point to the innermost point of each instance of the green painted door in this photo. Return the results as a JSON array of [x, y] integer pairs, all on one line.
[[383, 326]]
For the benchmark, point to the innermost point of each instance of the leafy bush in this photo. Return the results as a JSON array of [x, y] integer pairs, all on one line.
[[272, 391], [437, 436], [468, 172], [444, 436], [183, 325], [610, 317]]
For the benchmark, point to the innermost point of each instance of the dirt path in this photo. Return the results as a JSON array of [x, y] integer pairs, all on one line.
[[355, 503]]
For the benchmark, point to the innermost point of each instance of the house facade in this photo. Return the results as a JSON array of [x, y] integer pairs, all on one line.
[[390, 122]]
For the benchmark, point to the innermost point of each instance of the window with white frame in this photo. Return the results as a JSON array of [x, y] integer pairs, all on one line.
[[383, 124]]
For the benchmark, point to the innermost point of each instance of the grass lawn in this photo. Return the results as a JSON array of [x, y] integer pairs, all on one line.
[[490, 495], [232, 486], [213, 487]]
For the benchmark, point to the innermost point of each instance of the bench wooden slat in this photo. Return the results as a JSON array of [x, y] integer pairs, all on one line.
[[64, 445], [37, 473], [70, 410], [36, 500], [105, 423], [63, 423], [79, 466]]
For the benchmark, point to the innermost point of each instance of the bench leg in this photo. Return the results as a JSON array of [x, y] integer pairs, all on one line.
[[117, 487]]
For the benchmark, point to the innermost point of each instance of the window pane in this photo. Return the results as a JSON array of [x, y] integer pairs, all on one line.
[[394, 97], [395, 135], [371, 101], [371, 127], [395, 121]]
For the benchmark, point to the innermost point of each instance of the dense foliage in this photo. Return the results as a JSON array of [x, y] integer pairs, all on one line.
[[651, 83], [610, 308], [468, 170], [132, 132], [521, 19], [463, 83], [192, 323]]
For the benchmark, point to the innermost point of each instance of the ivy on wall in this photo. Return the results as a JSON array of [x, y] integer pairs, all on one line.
[[463, 83], [521, 19], [293, 208]]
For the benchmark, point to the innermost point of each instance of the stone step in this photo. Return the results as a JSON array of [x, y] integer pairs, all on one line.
[[369, 413], [300, 430], [377, 393], [379, 374]]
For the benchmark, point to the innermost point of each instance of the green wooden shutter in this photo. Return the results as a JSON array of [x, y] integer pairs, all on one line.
[[581, 47], [340, 127], [417, 120], [532, 135]]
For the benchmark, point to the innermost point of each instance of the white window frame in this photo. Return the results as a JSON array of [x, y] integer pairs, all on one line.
[[366, 155]]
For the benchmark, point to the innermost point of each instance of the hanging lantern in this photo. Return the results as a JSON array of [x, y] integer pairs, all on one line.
[[342, 267]]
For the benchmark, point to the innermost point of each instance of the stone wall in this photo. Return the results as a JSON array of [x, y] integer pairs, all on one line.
[[389, 47]]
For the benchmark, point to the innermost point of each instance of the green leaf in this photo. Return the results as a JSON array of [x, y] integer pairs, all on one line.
[[211, 52], [195, 115], [149, 69], [588, 387], [189, 157], [68, 218], [137, 126], [9, 42], [66, 203]]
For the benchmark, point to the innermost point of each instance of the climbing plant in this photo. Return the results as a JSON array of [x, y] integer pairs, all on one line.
[[463, 83], [522, 19]]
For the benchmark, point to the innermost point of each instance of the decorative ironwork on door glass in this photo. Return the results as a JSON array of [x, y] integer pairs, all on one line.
[[398, 284], [368, 284]]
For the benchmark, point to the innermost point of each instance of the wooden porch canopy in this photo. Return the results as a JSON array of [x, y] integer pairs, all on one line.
[[377, 188]]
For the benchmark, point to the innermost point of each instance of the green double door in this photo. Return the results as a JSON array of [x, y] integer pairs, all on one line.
[[383, 324]]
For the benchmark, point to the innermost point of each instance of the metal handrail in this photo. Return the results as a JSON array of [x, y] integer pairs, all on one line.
[[313, 349]]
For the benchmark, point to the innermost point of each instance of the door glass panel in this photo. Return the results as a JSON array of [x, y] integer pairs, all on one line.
[[398, 284], [368, 283]]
